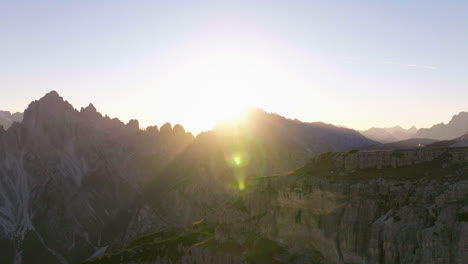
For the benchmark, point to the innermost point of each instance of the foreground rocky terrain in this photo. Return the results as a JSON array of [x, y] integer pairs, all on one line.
[[408, 206]]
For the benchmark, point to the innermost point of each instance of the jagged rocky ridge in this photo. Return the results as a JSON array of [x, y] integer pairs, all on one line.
[[69, 179], [406, 206]]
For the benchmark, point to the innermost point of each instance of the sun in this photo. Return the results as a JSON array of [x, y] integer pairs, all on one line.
[[213, 86], [218, 79]]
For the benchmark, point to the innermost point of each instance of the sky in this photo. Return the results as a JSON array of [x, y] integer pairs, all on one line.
[[358, 64]]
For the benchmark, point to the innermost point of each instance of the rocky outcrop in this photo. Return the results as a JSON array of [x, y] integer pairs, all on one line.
[[457, 142], [390, 159]]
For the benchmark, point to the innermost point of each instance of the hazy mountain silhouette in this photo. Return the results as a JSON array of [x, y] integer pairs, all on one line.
[[456, 127], [7, 118], [294, 134], [391, 134]]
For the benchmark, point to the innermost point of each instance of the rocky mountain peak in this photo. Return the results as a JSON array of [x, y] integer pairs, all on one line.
[[412, 130], [178, 130], [49, 109], [133, 124], [90, 108], [90, 112], [462, 117], [166, 129]]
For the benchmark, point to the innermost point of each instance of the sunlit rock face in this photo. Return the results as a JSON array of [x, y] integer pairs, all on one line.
[[69, 180]]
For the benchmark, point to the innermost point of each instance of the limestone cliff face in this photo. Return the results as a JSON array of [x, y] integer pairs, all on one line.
[[403, 213], [408, 206]]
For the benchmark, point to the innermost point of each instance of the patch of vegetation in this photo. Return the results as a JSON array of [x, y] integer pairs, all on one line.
[[397, 155], [171, 244], [353, 151], [164, 244], [255, 249], [462, 217]]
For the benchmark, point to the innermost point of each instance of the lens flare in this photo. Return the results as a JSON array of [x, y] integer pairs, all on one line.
[[239, 173], [241, 183], [237, 160]]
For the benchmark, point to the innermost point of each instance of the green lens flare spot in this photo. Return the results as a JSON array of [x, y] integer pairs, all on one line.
[[237, 160], [241, 185]]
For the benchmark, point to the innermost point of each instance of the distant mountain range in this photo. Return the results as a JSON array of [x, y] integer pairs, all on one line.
[[391, 134], [456, 127], [7, 118]]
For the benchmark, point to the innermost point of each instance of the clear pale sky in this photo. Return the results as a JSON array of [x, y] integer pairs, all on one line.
[[359, 64]]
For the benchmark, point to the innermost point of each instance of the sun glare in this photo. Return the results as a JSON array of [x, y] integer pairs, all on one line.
[[219, 83]]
